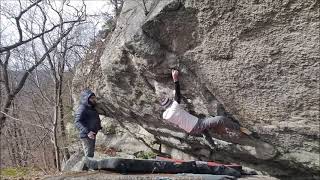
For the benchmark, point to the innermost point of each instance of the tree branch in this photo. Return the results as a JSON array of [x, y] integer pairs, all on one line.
[[43, 95], [25, 122], [52, 67], [17, 19], [27, 9], [19, 29], [27, 73], [7, 48]]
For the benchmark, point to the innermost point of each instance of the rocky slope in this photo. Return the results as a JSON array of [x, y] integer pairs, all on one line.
[[259, 59]]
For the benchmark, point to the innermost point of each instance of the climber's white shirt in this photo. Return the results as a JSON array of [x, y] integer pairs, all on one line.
[[178, 116]]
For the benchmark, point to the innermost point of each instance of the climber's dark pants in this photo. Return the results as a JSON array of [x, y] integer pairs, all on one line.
[[88, 146], [217, 123]]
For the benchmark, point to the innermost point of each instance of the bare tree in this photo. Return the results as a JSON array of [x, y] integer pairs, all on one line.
[[11, 92], [36, 73], [117, 6], [27, 55]]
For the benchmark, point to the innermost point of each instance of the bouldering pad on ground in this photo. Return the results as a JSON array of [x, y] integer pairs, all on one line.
[[208, 163], [124, 165]]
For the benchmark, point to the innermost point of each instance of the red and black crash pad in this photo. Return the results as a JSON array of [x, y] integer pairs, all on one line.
[[126, 166], [208, 163]]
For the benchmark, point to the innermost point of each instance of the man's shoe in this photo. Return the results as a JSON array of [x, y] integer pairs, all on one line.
[[255, 135], [85, 168]]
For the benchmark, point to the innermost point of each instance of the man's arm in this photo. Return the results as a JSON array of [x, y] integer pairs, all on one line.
[[175, 77], [99, 124], [78, 120], [177, 96]]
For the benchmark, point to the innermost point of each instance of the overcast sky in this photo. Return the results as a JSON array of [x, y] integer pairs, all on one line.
[[99, 6], [93, 7]]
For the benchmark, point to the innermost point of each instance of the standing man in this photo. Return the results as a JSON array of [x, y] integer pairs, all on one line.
[[175, 114], [87, 121]]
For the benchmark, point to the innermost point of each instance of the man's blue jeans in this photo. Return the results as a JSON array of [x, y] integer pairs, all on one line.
[[88, 146]]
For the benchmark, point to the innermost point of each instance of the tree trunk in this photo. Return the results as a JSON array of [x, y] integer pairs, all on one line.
[[28, 147], [1, 95], [116, 7], [22, 153], [55, 138], [11, 148], [54, 159], [61, 70], [44, 157], [66, 153], [55, 130], [23, 149], [16, 144], [6, 107]]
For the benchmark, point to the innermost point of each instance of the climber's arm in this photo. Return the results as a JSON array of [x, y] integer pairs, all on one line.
[[175, 77]]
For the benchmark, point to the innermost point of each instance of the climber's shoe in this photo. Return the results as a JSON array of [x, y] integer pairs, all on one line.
[[249, 133], [245, 131]]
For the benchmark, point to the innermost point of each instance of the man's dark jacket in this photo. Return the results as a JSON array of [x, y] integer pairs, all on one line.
[[86, 117]]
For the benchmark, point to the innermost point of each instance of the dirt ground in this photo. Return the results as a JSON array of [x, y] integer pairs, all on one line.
[[97, 175], [107, 175]]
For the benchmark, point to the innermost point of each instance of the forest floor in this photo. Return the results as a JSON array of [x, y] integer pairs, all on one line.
[[33, 174], [22, 173]]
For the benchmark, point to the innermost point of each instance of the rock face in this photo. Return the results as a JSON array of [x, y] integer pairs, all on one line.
[[259, 59]]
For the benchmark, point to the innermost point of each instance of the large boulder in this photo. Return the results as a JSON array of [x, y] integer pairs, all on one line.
[[259, 59]]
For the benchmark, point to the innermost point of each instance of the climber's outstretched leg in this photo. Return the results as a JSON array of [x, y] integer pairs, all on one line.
[[218, 124], [223, 128]]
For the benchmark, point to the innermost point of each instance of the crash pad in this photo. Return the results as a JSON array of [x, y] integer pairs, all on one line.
[[124, 165], [209, 163]]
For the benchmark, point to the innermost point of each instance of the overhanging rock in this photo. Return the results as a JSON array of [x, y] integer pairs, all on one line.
[[259, 59]]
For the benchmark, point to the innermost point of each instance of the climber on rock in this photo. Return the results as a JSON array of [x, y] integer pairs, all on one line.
[[175, 114], [87, 121]]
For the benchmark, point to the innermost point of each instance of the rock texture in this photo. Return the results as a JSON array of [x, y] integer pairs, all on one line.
[[259, 59]]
